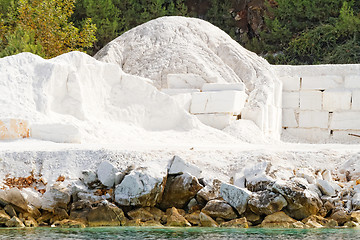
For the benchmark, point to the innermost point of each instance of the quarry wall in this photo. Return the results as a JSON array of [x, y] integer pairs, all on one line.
[[321, 103]]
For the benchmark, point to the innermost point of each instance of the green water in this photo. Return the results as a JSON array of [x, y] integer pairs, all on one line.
[[177, 233]]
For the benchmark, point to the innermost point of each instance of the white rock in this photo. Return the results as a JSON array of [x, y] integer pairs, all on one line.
[[355, 201], [15, 197], [208, 87], [337, 100], [291, 100], [313, 119], [218, 102], [326, 188], [327, 176], [242, 129], [88, 176], [235, 196], [345, 120], [307, 174], [60, 133], [311, 100], [314, 188], [257, 172], [57, 194], [185, 81], [178, 166], [142, 187], [106, 173], [217, 120], [32, 196]]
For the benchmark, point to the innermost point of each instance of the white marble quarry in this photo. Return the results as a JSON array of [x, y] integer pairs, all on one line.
[[174, 91], [290, 83], [185, 81], [184, 100], [355, 105], [291, 99], [336, 99], [289, 118], [218, 102], [321, 82], [217, 120], [345, 120], [207, 87], [352, 81], [313, 119], [311, 100], [343, 136]]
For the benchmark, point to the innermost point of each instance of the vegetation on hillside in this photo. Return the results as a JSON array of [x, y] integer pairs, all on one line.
[[290, 31]]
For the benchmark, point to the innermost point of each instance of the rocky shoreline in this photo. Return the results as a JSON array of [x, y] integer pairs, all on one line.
[[177, 195]]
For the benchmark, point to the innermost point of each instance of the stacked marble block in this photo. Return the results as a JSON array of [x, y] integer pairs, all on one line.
[[14, 129], [321, 104], [214, 104]]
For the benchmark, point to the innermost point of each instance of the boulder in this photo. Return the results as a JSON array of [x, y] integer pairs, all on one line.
[[219, 209], [89, 177], [175, 219], [14, 197], [151, 223], [319, 220], [193, 218], [341, 216], [207, 221], [59, 215], [15, 222], [256, 176], [3, 217], [106, 214], [355, 216], [351, 224], [266, 202], [30, 222], [302, 203], [209, 192], [32, 196], [313, 224], [278, 220], [355, 201], [58, 195], [179, 191], [157, 213], [79, 210], [106, 173], [326, 188], [235, 196], [236, 223], [10, 210], [178, 166], [143, 187], [67, 223], [141, 214]]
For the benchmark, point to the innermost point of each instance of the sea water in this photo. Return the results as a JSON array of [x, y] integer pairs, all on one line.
[[177, 233]]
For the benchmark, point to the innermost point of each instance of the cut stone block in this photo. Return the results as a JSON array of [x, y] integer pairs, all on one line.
[[290, 100], [180, 81], [335, 99], [218, 102], [308, 135], [60, 133], [352, 81], [321, 82], [311, 100], [207, 87], [313, 119], [344, 137], [13, 129], [174, 91], [345, 120], [355, 100], [289, 118], [217, 120], [290, 83]]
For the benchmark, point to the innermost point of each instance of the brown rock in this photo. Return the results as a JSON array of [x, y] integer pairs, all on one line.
[[278, 220], [59, 215], [44, 220], [14, 222], [157, 213], [179, 190], [298, 224], [219, 220], [30, 222], [10, 210], [193, 218], [3, 217], [174, 219], [219, 209], [67, 223], [351, 224], [15, 198], [106, 215], [207, 221], [315, 218], [151, 223], [355, 216], [141, 214], [252, 218], [313, 224], [302, 203], [209, 192], [133, 223], [79, 210], [236, 223], [341, 216], [266, 202]]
